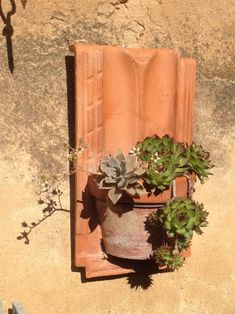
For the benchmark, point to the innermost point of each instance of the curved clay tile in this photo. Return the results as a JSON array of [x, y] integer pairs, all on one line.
[[123, 95]]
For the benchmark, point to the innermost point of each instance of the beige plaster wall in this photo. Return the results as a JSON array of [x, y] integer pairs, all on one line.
[[34, 126]]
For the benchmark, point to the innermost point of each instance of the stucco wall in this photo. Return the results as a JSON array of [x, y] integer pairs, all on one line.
[[34, 127]]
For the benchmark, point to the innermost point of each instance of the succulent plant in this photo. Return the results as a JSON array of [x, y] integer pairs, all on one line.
[[152, 219], [165, 256], [119, 173], [198, 161], [154, 145], [160, 175], [165, 158], [182, 243], [162, 160], [168, 159], [178, 218], [179, 242], [182, 216]]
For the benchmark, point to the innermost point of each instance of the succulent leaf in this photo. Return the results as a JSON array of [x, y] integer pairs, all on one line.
[[114, 194], [183, 243]]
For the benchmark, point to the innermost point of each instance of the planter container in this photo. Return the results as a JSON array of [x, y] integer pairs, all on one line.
[[123, 226]]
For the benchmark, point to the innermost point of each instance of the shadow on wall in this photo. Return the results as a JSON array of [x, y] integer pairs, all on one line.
[[24, 2], [8, 32], [70, 76], [137, 281], [51, 206]]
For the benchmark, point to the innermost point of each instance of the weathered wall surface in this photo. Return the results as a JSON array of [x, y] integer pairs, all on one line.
[[34, 126]]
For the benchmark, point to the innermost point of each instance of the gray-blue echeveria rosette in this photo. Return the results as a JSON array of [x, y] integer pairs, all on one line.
[[120, 173]]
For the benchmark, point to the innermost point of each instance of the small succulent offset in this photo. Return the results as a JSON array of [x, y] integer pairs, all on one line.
[[164, 256], [120, 173], [198, 161]]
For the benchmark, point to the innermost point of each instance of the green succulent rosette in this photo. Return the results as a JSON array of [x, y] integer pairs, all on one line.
[[165, 160], [198, 161], [182, 216], [164, 256]]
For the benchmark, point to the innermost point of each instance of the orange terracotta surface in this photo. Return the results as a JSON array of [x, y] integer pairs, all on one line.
[[122, 96]]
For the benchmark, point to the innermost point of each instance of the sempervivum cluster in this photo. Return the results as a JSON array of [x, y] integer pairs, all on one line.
[[179, 218], [168, 159]]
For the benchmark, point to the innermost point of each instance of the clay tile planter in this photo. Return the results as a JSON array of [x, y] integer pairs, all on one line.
[[122, 96]]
